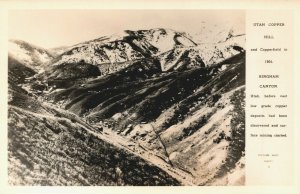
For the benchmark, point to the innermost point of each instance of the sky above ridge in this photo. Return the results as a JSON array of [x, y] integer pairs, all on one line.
[[55, 28]]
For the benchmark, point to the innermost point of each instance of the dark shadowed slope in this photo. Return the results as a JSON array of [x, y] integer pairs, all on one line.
[[17, 72], [187, 117]]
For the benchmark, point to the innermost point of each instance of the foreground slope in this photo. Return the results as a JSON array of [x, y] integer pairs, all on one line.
[[47, 146]]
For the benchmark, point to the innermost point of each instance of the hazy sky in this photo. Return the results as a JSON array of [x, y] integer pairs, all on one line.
[[54, 28]]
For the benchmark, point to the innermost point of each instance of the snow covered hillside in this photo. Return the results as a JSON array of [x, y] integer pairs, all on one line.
[[116, 52], [30, 55]]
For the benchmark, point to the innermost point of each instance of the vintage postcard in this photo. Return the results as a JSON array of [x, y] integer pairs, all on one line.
[[199, 97]]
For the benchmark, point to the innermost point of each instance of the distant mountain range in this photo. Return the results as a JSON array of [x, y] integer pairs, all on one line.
[[28, 54], [145, 107]]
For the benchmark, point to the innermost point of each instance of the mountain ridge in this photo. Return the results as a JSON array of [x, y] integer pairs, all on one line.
[[122, 51]]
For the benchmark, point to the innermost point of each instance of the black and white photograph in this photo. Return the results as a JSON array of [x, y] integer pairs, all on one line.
[[126, 97]]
